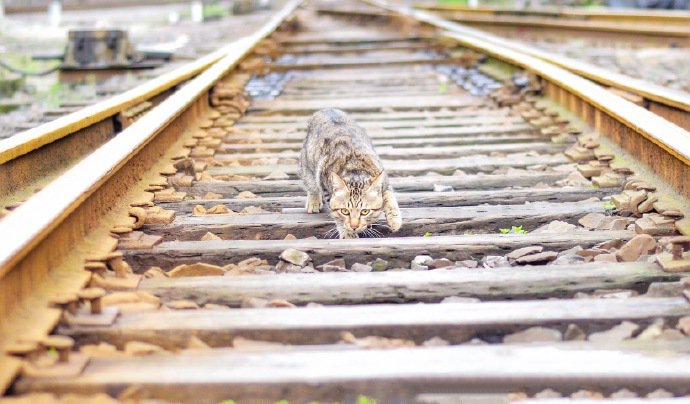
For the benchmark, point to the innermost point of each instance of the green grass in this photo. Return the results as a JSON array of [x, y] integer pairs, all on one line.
[[215, 11], [609, 205], [514, 230]]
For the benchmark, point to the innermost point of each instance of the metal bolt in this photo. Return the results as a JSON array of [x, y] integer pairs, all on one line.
[[60, 343], [679, 245], [93, 296]]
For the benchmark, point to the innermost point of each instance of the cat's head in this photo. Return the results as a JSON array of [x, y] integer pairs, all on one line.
[[357, 203]]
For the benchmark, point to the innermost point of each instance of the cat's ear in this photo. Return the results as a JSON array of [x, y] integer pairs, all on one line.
[[338, 183], [376, 184]]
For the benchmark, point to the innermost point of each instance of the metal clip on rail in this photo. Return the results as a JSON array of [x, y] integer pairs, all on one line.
[[676, 260]]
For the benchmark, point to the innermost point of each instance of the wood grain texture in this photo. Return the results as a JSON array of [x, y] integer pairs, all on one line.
[[463, 140], [366, 104], [292, 187], [487, 131], [470, 164], [409, 199], [416, 221], [404, 286], [398, 251], [395, 116], [456, 322], [416, 152], [426, 122], [217, 375]]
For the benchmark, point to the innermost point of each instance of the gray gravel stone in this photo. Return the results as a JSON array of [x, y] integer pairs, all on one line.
[[533, 334], [296, 257], [357, 267], [621, 332]]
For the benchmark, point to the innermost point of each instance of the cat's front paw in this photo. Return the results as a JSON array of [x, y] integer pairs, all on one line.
[[394, 221], [314, 204]]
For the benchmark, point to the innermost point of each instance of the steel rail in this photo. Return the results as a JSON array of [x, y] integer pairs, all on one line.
[[598, 107], [659, 34], [32, 139], [675, 31], [616, 15], [37, 236]]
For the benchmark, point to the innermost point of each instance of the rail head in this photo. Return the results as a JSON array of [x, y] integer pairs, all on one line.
[[31, 222], [590, 14]]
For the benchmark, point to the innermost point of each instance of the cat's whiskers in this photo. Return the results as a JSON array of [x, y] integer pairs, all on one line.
[[383, 226], [332, 233], [376, 233]]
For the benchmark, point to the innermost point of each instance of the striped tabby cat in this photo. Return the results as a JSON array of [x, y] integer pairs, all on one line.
[[338, 161]]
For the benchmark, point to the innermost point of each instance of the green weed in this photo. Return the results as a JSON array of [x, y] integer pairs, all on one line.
[[513, 230], [609, 205]]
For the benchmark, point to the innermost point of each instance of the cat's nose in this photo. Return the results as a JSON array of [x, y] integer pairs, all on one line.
[[354, 224]]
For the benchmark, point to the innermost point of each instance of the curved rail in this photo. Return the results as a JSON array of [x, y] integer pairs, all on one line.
[[670, 104], [615, 15]]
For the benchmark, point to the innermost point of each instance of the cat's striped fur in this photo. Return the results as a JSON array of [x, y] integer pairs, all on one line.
[[339, 162]]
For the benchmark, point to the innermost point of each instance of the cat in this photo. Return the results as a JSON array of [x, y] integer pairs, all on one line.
[[338, 161]]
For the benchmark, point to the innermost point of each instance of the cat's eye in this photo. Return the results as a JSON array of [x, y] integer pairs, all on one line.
[[364, 212], [345, 211]]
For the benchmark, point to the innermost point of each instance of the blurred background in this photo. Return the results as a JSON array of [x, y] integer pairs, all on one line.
[[57, 56]]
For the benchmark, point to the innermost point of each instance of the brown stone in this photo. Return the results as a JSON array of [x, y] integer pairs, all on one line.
[[672, 213], [210, 236], [642, 244], [246, 195], [618, 333], [647, 205], [574, 333], [606, 258], [521, 252], [533, 334], [540, 258], [440, 263], [212, 195], [219, 210], [198, 269], [592, 220], [182, 305], [138, 348]]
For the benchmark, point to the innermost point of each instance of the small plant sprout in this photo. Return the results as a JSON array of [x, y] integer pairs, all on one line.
[[366, 400], [609, 205], [513, 230], [427, 234]]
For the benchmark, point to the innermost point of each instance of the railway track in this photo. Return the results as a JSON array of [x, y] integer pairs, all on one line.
[[532, 261]]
